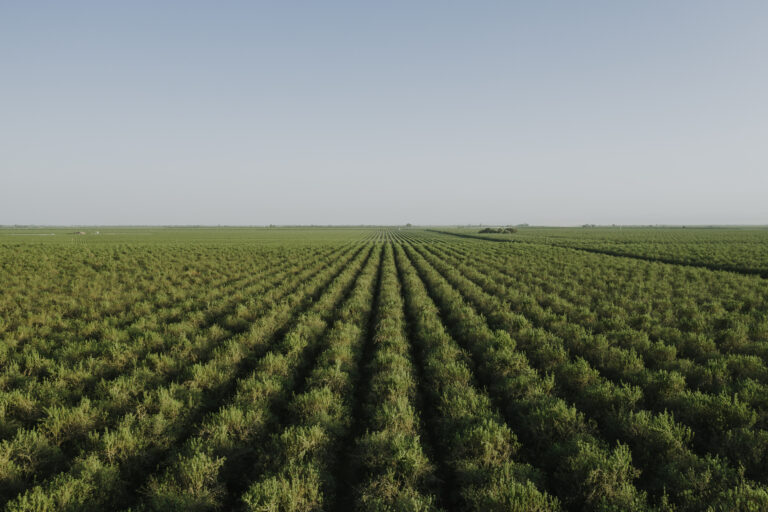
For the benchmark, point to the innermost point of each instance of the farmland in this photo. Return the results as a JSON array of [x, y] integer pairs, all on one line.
[[383, 369]]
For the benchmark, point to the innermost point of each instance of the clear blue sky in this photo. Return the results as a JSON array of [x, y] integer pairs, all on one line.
[[329, 112]]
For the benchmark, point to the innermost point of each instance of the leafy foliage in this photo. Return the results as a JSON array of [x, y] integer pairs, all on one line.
[[375, 369]]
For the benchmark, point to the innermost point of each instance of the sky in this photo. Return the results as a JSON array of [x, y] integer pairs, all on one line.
[[425, 112]]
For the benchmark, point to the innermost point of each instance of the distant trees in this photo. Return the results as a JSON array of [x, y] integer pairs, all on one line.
[[507, 230]]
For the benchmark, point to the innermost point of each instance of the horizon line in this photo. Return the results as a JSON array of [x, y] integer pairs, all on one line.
[[409, 225]]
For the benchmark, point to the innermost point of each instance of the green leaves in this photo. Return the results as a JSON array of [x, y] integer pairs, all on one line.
[[407, 371]]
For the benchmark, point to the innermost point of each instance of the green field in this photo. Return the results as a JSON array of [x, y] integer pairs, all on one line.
[[383, 369]]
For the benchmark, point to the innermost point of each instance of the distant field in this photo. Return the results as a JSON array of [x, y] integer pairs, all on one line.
[[98, 236], [737, 249], [383, 369]]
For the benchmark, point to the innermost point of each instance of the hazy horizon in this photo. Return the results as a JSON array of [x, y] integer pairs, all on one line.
[[342, 113], [412, 225]]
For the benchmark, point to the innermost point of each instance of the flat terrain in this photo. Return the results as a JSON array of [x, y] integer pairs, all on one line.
[[383, 369]]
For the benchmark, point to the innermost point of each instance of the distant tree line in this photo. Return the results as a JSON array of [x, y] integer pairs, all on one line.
[[498, 230]]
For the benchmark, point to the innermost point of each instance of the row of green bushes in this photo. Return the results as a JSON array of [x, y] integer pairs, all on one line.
[[581, 469], [659, 444], [165, 415], [698, 311], [61, 434], [721, 422], [229, 441], [60, 369], [480, 450], [301, 462], [115, 376], [394, 471]]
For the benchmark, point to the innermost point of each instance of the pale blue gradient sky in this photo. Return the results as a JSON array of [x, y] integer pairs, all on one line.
[[383, 112]]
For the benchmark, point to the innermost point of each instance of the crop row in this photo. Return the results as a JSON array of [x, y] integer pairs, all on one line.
[[164, 415], [407, 370], [660, 445], [728, 422], [120, 363]]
